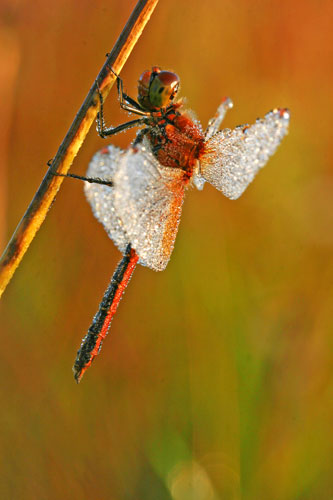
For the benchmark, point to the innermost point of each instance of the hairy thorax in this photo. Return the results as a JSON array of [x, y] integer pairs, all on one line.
[[176, 140]]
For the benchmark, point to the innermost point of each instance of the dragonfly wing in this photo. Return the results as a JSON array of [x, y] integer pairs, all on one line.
[[148, 199], [233, 157], [103, 165]]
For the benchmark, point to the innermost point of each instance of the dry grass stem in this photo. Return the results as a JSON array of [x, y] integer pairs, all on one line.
[[38, 208]]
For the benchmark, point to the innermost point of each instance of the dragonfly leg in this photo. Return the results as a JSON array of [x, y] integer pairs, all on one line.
[[214, 123], [126, 102], [140, 136], [104, 131], [92, 180]]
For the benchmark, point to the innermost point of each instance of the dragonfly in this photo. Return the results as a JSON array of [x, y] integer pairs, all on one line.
[[137, 193]]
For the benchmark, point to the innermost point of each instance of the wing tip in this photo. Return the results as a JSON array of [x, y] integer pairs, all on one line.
[[280, 113]]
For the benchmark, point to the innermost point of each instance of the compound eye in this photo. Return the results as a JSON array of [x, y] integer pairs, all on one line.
[[163, 89]]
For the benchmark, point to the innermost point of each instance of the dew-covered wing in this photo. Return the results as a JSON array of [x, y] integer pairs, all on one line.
[[144, 205], [103, 165], [148, 198], [233, 157]]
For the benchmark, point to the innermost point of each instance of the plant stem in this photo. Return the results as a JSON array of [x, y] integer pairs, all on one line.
[[41, 202]]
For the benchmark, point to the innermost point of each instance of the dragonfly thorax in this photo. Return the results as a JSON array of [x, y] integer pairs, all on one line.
[[176, 140]]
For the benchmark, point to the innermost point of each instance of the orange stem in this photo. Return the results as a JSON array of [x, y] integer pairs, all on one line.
[[40, 204]]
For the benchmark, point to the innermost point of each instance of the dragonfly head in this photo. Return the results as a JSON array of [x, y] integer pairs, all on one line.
[[157, 88]]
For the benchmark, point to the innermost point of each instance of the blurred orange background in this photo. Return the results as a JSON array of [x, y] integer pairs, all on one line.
[[216, 380]]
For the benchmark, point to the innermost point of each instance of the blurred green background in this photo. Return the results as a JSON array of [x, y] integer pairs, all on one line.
[[216, 381]]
